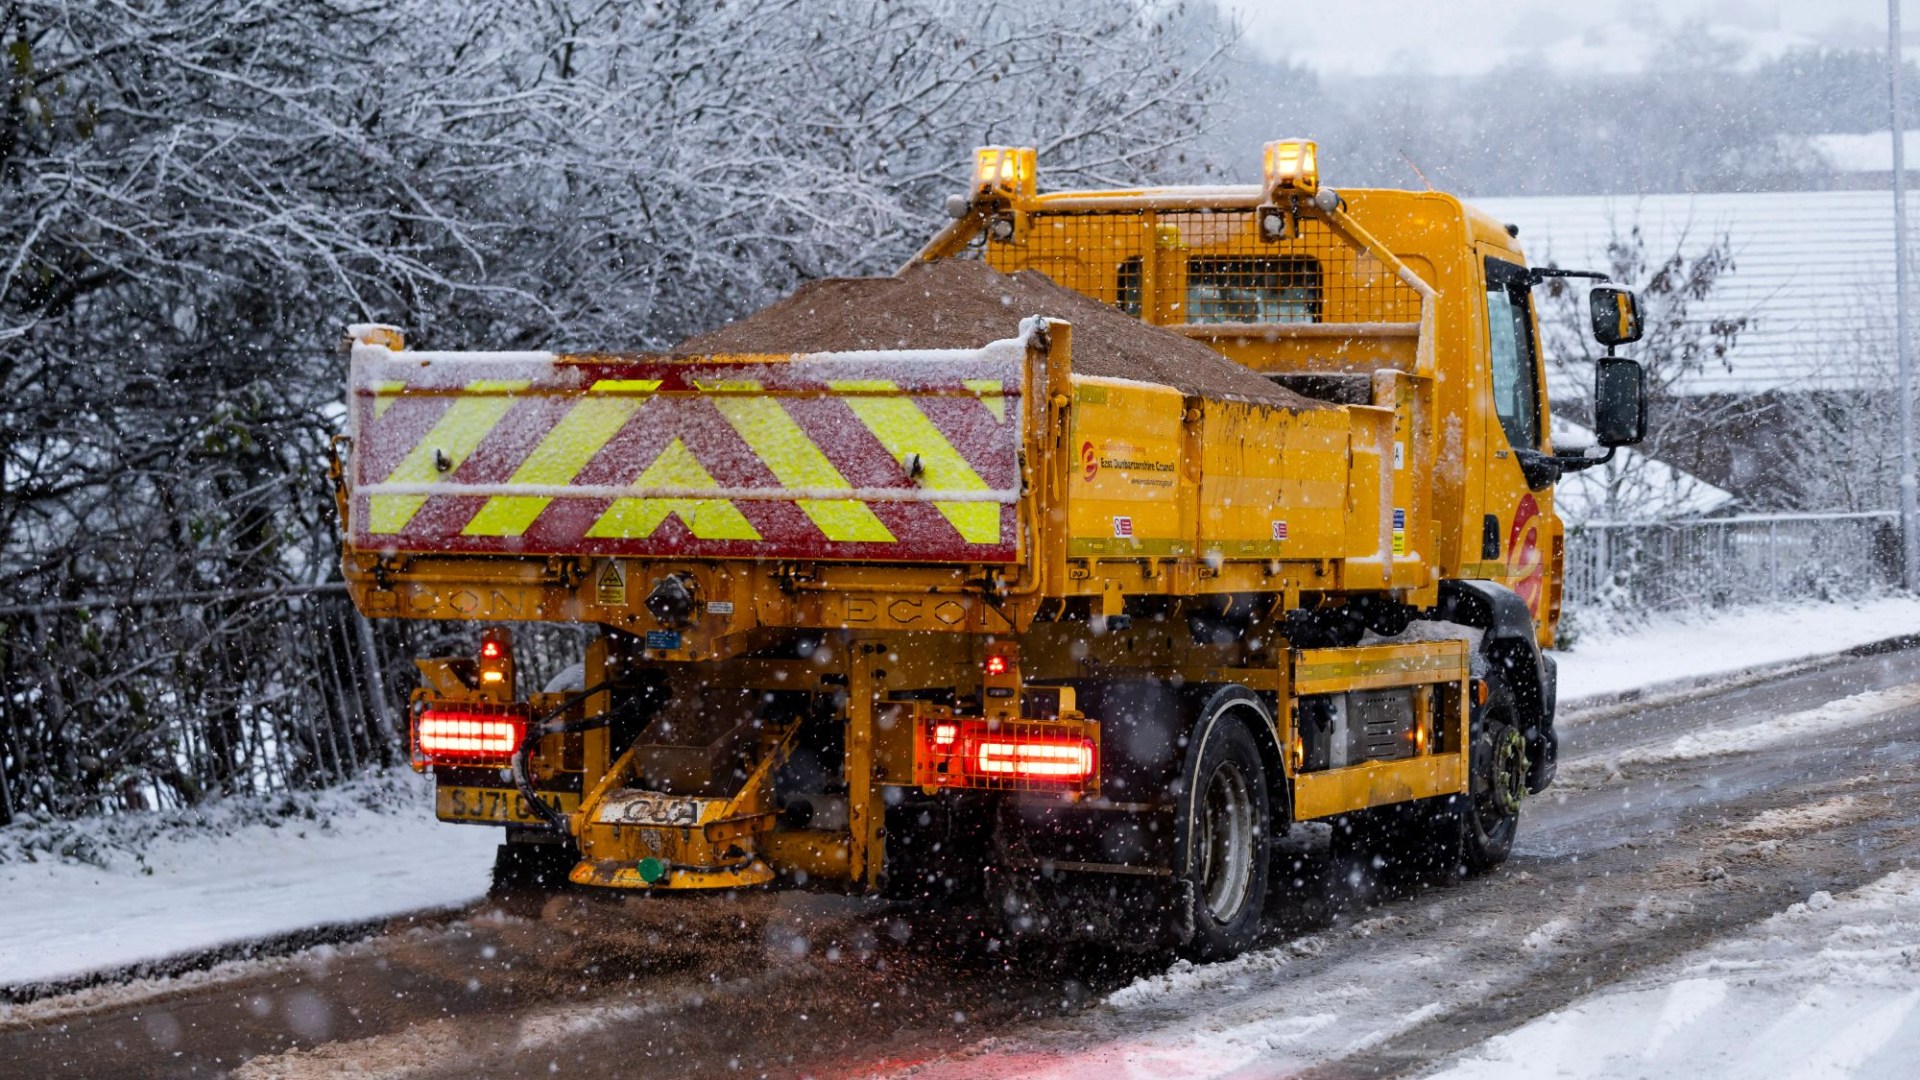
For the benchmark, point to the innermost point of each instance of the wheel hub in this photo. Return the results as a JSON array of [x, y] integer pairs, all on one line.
[[1225, 843], [1509, 773]]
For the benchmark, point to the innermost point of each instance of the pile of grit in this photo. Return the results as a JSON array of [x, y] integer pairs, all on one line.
[[964, 304]]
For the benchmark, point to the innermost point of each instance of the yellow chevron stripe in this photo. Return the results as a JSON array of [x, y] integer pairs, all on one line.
[[625, 386], [707, 519], [385, 393], [904, 430], [796, 462], [457, 434], [990, 395], [559, 458]]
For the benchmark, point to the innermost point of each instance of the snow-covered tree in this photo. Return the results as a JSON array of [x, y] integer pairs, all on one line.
[[1679, 343], [195, 195]]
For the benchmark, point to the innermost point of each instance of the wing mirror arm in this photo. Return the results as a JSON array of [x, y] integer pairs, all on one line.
[[1542, 471]]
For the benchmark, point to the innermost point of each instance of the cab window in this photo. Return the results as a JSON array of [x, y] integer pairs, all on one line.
[[1126, 286], [1510, 347], [1260, 290]]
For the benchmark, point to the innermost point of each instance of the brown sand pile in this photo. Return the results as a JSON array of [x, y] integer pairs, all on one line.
[[962, 304]]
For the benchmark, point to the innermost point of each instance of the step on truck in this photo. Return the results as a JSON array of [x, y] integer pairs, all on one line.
[[1062, 572]]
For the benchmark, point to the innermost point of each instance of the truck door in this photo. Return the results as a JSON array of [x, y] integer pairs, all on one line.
[[1515, 526]]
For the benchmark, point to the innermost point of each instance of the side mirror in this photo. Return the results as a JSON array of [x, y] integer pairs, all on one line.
[[1616, 316], [1619, 399]]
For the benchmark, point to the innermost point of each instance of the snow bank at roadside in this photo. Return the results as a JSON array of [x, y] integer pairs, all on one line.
[[81, 896], [1724, 643], [1829, 987]]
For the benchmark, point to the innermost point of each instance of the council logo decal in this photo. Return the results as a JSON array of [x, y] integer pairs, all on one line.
[[1526, 570], [1089, 461]]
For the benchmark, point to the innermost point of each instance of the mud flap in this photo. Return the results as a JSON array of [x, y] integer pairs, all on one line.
[[1136, 913], [1543, 742]]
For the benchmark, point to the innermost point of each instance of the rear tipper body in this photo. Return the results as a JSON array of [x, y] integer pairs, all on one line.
[[1041, 604]]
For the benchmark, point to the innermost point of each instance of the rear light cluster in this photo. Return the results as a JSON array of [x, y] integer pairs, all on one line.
[[1015, 754], [468, 734]]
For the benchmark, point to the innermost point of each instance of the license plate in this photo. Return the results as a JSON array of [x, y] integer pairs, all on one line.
[[649, 808], [503, 806]]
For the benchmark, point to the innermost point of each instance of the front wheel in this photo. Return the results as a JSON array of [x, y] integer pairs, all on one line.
[[1496, 781], [1221, 849]]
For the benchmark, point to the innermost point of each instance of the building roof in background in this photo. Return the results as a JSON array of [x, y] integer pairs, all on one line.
[[1813, 270], [1642, 488]]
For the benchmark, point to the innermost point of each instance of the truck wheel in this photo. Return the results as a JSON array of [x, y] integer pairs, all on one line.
[[1496, 781], [1220, 842], [520, 868]]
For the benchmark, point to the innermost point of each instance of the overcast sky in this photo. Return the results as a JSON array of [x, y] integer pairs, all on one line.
[[1467, 36]]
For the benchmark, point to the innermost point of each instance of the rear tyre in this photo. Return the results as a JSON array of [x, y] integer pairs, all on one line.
[[1220, 840], [1496, 781], [520, 868]]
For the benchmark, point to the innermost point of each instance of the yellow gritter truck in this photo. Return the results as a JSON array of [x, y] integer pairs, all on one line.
[[1061, 572]]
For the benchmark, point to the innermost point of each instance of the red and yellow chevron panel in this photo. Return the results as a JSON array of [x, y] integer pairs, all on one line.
[[870, 456]]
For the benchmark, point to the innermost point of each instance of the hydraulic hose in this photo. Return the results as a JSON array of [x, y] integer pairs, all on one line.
[[550, 723]]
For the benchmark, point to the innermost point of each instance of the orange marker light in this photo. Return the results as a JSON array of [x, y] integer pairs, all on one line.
[[1005, 170], [1292, 165], [496, 659]]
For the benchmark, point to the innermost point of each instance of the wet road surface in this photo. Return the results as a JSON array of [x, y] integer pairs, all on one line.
[[1622, 865]]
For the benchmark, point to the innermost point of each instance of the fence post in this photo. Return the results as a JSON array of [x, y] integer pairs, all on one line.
[[1773, 557]]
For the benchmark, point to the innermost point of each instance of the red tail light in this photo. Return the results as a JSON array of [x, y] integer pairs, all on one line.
[[468, 736], [1067, 760], [1011, 755], [996, 664]]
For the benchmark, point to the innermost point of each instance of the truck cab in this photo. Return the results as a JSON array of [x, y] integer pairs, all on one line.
[[1263, 275]]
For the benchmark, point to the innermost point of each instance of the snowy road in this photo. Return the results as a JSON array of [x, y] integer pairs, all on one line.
[[1677, 837]]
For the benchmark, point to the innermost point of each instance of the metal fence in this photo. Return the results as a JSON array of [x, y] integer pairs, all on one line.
[[1720, 562], [164, 700]]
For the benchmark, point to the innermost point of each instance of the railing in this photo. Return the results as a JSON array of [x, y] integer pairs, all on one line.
[[165, 699], [1719, 562]]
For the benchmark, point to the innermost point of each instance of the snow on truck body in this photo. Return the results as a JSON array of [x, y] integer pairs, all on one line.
[[962, 582]]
